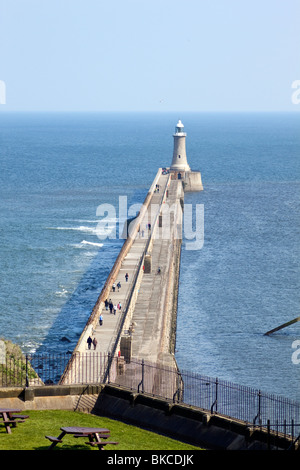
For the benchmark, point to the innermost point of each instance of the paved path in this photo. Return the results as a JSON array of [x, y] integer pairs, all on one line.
[[105, 333]]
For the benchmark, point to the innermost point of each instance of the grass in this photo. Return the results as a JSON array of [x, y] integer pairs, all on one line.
[[30, 435]]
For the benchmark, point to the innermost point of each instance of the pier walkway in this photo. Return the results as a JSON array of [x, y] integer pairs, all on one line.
[[143, 327], [107, 333]]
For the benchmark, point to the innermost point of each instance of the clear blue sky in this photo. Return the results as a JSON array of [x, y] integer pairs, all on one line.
[[159, 55]]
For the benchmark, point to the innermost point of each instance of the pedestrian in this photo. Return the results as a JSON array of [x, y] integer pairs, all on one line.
[[114, 287], [95, 342], [89, 342], [119, 306], [106, 304], [101, 320], [115, 309], [126, 277], [110, 306], [119, 286]]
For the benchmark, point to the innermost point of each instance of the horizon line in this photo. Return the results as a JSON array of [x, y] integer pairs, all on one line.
[[7, 111]]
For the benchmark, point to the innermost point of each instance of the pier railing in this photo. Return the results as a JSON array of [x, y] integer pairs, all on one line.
[[212, 394]]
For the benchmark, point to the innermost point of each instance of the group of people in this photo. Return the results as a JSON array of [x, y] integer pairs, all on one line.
[[91, 342], [114, 286], [109, 304], [112, 308]]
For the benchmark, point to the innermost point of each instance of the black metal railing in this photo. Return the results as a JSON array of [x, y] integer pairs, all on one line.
[[218, 396]]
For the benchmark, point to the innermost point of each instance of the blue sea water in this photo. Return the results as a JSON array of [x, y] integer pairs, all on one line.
[[56, 169]]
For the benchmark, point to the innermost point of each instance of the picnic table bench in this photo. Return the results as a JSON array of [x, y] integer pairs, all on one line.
[[95, 436], [101, 444], [11, 418]]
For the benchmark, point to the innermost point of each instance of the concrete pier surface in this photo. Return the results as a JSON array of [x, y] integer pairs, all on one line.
[[142, 311]]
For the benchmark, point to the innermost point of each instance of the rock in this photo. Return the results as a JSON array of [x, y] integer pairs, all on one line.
[[65, 339]]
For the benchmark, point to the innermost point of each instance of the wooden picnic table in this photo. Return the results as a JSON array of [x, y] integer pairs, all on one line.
[[95, 436], [10, 418]]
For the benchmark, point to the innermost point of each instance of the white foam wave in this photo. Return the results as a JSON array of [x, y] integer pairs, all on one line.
[[101, 219], [61, 293], [85, 221], [84, 242], [81, 228]]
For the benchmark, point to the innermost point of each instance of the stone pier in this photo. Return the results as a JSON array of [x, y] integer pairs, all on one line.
[[147, 268], [145, 325]]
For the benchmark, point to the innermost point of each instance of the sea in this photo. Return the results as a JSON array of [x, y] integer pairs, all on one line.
[[59, 171]]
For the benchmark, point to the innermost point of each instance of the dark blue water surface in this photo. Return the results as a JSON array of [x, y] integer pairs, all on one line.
[[56, 169]]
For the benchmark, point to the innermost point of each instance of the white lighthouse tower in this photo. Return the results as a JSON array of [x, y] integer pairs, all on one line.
[[179, 161], [180, 168]]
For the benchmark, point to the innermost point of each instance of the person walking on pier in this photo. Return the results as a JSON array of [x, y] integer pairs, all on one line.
[[115, 309], [126, 277], [106, 304], [95, 342], [119, 286], [89, 342], [101, 320], [114, 287]]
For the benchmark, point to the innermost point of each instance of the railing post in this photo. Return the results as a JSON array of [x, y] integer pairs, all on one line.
[[259, 409], [108, 368], [27, 380], [215, 403], [178, 389], [143, 376]]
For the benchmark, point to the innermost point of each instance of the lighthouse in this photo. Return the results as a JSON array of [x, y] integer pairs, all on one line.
[[179, 161], [180, 169]]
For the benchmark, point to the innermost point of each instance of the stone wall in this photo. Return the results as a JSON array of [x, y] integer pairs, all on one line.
[[193, 181], [177, 420]]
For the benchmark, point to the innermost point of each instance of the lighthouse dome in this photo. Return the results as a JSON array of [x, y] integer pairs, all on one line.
[[179, 129]]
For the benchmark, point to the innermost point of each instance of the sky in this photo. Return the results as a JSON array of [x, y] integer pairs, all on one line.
[[140, 55]]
